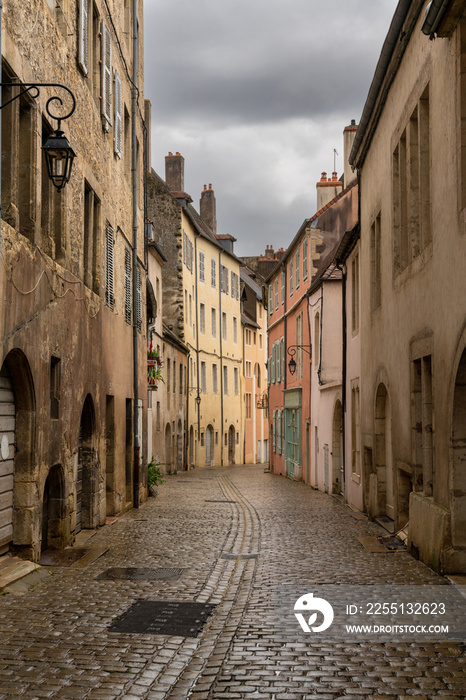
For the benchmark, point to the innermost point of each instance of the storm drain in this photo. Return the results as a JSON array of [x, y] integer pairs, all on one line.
[[129, 573], [62, 557], [210, 500], [232, 555], [171, 618]]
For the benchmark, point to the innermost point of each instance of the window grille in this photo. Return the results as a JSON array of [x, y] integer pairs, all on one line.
[[109, 267], [127, 286]]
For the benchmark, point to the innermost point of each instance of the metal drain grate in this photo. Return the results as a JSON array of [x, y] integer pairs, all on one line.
[[62, 557], [210, 500], [232, 555], [171, 618], [129, 573]]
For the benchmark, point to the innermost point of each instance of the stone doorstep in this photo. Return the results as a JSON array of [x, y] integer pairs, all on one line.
[[13, 569]]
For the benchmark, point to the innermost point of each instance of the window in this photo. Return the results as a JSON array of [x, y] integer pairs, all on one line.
[[277, 362], [305, 264], [83, 36], [213, 273], [235, 329], [224, 325], [201, 266], [174, 376], [224, 279], [55, 381], [278, 432], [316, 340], [247, 336], [202, 318], [282, 353], [109, 280], [297, 269], [291, 276], [276, 294], [236, 380], [299, 350], [91, 237], [214, 379], [355, 294], [106, 76], [213, 321], [190, 310], [411, 187], [225, 379], [127, 286], [260, 341], [51, 200], [203, 378], [270, 300], [283, 279], [248, 404], [181, 379], [376, 264], [248, 369], [157, 419]]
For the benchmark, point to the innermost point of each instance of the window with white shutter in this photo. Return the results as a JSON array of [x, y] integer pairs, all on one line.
[[201, 266], [138, 299], [117, 136], [109, 280], [127, 286], [270, 300], [83, 38], [274, 425], [106, 80], [283, 287], [213, 273]]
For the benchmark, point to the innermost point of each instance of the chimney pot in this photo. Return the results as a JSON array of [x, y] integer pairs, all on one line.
[[324, 177], [334, 176], [170, 153], [210, 185]]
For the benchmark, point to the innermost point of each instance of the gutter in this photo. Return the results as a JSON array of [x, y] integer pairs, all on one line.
[[394, 37], [434, 14]]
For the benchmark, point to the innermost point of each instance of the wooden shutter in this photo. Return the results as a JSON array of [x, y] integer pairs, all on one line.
[[117, 136], [138, 299], [106, 64], [109, 267], [83, 38], [127, 286]]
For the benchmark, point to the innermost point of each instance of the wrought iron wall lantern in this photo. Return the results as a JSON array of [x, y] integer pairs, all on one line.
[[291, 350], [59, 155]]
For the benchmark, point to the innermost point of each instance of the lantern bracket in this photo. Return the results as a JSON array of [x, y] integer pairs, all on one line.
[[33, 90]]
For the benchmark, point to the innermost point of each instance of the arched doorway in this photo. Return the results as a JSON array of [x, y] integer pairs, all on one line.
[[179, 446], [458, 458], [338, 477], [17, 453], [54, 511], [87, 477], [168, 449], [191, 446], [383, 453], [209, 446], [231, 444]]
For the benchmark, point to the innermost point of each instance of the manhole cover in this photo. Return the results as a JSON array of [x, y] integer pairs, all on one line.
[[232, 555], [172, 618], [62, 557], [129, 573], [210, 500]]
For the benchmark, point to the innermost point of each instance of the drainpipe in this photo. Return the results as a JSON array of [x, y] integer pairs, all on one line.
[[1, 78], [197, 343], [220, 327], [134, 92], [319, 371], [433, 16]]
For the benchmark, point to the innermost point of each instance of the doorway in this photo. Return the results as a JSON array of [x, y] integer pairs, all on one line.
[[209, 446], [231, 445]]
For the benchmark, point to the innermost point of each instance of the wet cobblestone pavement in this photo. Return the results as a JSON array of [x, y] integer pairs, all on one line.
[[55, 640]]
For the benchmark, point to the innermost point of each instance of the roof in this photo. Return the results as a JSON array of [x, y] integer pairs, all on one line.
[[174, 340], [248, 321], [158, 250], [247, 279]]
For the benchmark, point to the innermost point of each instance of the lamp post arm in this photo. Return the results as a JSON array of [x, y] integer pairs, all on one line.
[[33, 90]]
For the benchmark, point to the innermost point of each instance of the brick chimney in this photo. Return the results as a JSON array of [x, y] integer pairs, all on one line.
[[208, 209], [327, 189], [348, 139], [174, 172], [269, 252]]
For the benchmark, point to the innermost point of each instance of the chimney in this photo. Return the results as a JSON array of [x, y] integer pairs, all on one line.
[[208, 208], [327, 189], [269, 252], [174, 172], [349, 134]]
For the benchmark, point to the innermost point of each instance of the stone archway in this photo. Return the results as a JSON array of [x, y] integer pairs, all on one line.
[[20, 525], [338, 479], [88, 470], [53, 522], [458, 459], [383, 455]]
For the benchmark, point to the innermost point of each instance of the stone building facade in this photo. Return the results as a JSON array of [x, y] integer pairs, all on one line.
[[66, 366], [410, 149]]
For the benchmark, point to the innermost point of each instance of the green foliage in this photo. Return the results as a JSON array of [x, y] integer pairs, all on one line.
[[154, 475]]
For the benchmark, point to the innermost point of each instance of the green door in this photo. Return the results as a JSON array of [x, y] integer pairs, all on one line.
[[293, 454]]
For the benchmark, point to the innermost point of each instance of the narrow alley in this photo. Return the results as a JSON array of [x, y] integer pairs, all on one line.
[[225, 537]]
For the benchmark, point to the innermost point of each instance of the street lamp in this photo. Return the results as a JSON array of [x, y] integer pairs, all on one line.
[[292, 352], [58, 153], [198, 402]]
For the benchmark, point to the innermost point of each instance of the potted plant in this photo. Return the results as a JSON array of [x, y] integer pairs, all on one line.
[[154, 476], [154, 367]]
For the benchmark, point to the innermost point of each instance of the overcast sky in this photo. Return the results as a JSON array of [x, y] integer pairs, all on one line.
[[255, 95]]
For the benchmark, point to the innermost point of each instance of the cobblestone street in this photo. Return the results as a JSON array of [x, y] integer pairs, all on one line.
[[55, 640]]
